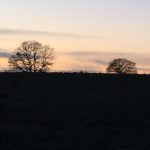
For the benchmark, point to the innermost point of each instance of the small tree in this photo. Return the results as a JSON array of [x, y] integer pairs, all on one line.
[[122, 66], [32, 56]]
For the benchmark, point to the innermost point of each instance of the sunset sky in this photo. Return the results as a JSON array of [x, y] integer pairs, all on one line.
[[86, 34]]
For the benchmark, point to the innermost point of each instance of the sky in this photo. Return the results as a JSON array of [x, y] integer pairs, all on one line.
[[86, 34]]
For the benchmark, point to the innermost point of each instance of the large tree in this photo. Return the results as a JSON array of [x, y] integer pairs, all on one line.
[[32, 56], [122, 66]]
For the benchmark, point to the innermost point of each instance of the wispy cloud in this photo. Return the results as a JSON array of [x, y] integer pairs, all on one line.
[[97, 61], [5, 54], [45, 33], [92, 61], [144, 69], [106, 57], [102, 53], [102, 59]]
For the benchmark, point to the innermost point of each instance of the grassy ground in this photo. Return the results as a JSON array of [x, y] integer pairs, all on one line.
[[74, 112]]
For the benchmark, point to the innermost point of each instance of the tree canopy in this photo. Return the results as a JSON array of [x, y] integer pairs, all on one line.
[[122, 66], [32, 56]]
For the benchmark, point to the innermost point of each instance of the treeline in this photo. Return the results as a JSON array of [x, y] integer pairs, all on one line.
[[32, 56]]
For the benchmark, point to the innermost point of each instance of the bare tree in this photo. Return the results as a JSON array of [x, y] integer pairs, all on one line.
[[122, 66], [32, 56]]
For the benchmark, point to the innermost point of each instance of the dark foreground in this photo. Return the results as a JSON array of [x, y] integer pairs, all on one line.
[[74, 112]]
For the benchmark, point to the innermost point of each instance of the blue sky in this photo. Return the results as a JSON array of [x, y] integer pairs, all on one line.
[[119, 26]]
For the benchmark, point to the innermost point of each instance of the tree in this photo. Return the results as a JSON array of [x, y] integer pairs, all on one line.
[[122, 66], [32, 56]]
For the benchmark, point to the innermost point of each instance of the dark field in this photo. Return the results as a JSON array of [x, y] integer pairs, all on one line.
[[74, 112]]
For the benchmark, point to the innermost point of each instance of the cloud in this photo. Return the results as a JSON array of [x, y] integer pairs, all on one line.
[[5, 55], [97, 61], [102, 59], [102, 53], [106, 57], [46, 33], [143, 69], [92, 61]]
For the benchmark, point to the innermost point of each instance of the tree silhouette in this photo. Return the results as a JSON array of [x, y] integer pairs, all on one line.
[[32, 56], [122, 66]]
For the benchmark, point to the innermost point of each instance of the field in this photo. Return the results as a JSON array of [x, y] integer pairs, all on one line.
[[74, 111]]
